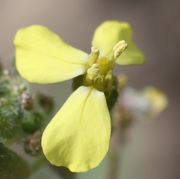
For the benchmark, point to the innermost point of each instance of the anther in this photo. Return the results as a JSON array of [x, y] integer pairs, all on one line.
[[93, 71], [119, 48], [95, 50], [93, 56]]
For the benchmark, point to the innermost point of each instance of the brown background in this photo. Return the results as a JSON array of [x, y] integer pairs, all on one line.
[[154, 151]]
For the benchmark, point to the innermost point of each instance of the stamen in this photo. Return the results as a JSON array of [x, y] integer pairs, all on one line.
[[119, 48], [95, 50], [93, 71], [93, 56]]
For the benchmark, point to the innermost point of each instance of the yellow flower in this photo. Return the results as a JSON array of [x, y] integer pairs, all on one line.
[[143, 104], [158, 100], [78, 136]]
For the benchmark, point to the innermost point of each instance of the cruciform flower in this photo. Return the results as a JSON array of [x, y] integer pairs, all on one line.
[[78, 135]]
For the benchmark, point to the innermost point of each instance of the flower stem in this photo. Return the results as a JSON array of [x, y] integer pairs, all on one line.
[[121, 121], [115, 155]]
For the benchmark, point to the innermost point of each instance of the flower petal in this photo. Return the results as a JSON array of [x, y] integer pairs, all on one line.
[[78, 136], [43, 57], [111, 32]]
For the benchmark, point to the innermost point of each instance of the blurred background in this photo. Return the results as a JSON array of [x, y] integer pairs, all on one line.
[[153, 151]]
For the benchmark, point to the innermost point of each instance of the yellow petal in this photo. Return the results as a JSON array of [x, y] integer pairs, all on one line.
[[78, 136], [111, 32], [43, 57]]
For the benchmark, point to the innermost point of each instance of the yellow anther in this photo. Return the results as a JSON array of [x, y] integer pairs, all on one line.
[[93, 56], [98, 71], [119, 48], [95, 50], [93, 71]]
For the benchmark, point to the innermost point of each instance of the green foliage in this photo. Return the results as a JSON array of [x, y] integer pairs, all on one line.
[[21, 120], [20, 113], [10, 108], [31, 121], [12, 166], [9, 116]]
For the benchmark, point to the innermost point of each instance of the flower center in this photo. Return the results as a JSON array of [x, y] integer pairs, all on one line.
[[99, 68]]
